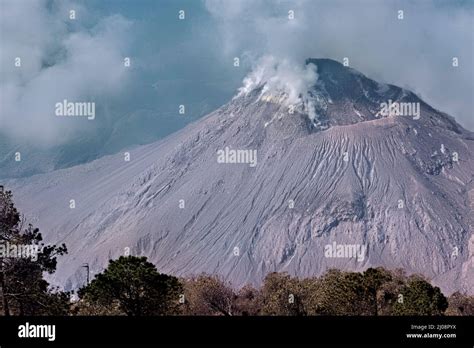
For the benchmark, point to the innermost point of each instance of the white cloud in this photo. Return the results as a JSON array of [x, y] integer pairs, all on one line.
[[57, 63], [415, 52]]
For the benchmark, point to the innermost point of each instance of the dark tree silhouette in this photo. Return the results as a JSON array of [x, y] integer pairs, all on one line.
[[134, 286], [23, 290]]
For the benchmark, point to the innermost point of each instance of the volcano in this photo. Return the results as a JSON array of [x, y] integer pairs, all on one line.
[[332, 170]]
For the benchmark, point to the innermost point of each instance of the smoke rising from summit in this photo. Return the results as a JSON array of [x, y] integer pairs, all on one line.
[[283, 79], [414, 52]]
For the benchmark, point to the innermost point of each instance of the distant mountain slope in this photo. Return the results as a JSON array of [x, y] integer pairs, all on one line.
[[401, 187]]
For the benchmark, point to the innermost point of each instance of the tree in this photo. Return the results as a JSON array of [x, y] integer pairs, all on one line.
[[282, 295], [134, 286], [390, 292], [420, 298], [373, 281], [460, 304], [24, 258], [208, 295], [342, 293], [335, 293], [248, 301]]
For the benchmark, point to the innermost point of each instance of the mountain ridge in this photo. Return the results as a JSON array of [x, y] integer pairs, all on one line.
[[346, 182]]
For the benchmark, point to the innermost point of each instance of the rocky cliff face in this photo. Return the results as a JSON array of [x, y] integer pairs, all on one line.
[[353, 187]]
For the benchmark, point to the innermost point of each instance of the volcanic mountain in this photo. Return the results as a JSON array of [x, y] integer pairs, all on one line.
[[400, 187]]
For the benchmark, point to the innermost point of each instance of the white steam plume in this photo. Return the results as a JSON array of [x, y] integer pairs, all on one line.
[[284, 80], [415, 52]]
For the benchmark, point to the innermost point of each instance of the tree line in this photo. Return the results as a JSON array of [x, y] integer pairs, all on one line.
[[132, 286]]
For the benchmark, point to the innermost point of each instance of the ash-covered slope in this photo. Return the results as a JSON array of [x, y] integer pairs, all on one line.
[[400, 187]]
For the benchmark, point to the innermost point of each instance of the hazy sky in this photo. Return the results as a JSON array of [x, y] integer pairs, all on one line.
[[190, 61], [415, 52]]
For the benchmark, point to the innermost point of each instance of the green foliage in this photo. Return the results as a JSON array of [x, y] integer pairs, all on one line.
[[373, 292], [340, 293], [420, 298], [373, 281], [23, 290], [282, 295], [134, 286]]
